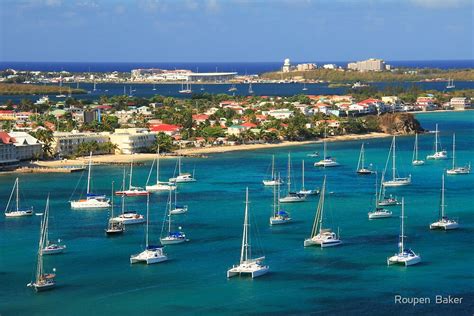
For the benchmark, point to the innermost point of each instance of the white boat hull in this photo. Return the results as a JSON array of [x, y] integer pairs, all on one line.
[[326, 163], [279, 221], [440, 155], [172, 241], [149, 257], [89, 204], [446, 225], [130, 220], [403, 260], [418, 162], [160, 187], [292, 199], [179, 210], [42, 286], [53, 250], [271, 182], [398, 182], [253, 269], [19, 213], [182, 179], [308, 192], [458, 171], [380, 214]]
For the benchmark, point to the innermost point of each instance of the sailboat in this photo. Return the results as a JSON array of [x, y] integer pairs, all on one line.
[[320, 236], [250, 88], [326, 161], [17, 211], [232, 88], [43, 281], [457, 170], [378, 212], [132, 190], [415, 161], [154, 87], [304, 87], [176, 208], [278, 215], [361, 169], [291, 197], [128, 217], [450, 84], [443, 222], [202, 88], [438, 154], [187, 89], [385, 200], [151, 254], [160, 185], [396, 181], [114, 227], [247, 265], [49, 248], [273, 180], [173, 237], [92, 201], [182, 176], [404, 256], [303, 190], [95, 87]]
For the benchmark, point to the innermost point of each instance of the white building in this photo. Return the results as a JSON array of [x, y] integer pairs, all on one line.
[[286, 65], [67, 143], [132, 140], [7, 151], [279, 113], [371, 64], [27, 147], [460, 103]]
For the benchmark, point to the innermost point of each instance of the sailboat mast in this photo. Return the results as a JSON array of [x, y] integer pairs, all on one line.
[[415, 149], [273, 167], [123, 189], [17, 198], [147, 219], [454, 150], [324, 144], [158, 165], [131, 174], [289, 173], [39, 266], [321, 206], [278, 197], [402, 230], [179, 165], [362, 153], [376, 191], [436, 139], [244, 251], [393, 160], [112, 201], [275, 198], [442, 197], [89, 173], [302, 175]]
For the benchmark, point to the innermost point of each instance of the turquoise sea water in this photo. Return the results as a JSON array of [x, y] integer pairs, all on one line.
[[95, 277]]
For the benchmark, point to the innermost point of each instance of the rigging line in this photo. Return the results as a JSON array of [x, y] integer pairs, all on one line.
[[77, 184], [149, 173]]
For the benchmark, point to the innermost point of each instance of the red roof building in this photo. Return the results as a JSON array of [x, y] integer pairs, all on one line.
[[6, 139], [168, 129]]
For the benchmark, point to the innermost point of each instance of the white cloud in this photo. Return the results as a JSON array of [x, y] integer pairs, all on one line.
[[438, 4]]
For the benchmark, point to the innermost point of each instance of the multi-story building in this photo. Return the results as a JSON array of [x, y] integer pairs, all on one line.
[[460, 103], [305, 67], [7, 151], [371, 64], [67, 143], [132, 140], [27, 147]]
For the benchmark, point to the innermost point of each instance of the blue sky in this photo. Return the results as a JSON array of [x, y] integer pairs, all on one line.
[[234, 30]]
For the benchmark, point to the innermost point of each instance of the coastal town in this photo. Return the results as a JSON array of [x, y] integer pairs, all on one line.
[[52, 130]]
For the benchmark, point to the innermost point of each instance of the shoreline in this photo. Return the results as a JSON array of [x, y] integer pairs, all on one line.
[[144, 157]]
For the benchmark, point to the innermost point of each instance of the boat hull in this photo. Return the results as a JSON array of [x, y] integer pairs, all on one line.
[[252, 270], [440, 155], [113, 232], [458, 171], [379, 214], [397, 182], [418, 162], [402, 260], [271, 183], [178, 211], [321, 243], [444, 225], [326, 163], [279, 221], [364, 172], [172, 241], [149, 257], [160, 187], [53, 250], [43, 287], [19, 213], [292, 199], [89, 204]]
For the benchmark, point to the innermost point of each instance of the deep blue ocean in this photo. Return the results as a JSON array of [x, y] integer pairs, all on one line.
[[95, 277], [240, 67]]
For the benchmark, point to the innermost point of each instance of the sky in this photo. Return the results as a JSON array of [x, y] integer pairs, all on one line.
[[235, 30]]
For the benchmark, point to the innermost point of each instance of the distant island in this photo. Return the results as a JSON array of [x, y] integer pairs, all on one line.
[[25, 89]]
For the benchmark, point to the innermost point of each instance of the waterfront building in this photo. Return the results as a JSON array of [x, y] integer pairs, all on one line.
[[460, 103], [371, 64], [168, 129], [8, 156], [67, 143], [26, 146], [7, 115], [132, 140], [330, 66], [425, 103]]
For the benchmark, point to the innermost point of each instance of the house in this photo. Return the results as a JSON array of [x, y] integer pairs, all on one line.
[[329, 123], [132, 140], [27, 147], [200, 118], [460, 103], [373, 105], [248, 125], [235, 130], [168, 129], [425, 103], [280, 113]]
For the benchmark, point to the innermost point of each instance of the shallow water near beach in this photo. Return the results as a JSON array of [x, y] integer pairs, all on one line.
[[95, 277]]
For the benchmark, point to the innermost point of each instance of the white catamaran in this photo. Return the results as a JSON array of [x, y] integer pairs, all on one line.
[[49, 248], [378, 212], [443, 222], [128, 217], [361, 169], [404, 256], [303, 190], [291, 197], [172, 237], [177, 208], [326, 161], [458, 170], [279, 216], [396, 181], [182, 176], [17, 211], [151, 254], [159, 185], [132, 190], [92, 201], [320, 236], [43, 281], [273, 181], [415, 161], [247, 265], [439, 153]]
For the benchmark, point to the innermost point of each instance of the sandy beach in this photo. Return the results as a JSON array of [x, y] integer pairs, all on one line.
[[120, 159]]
